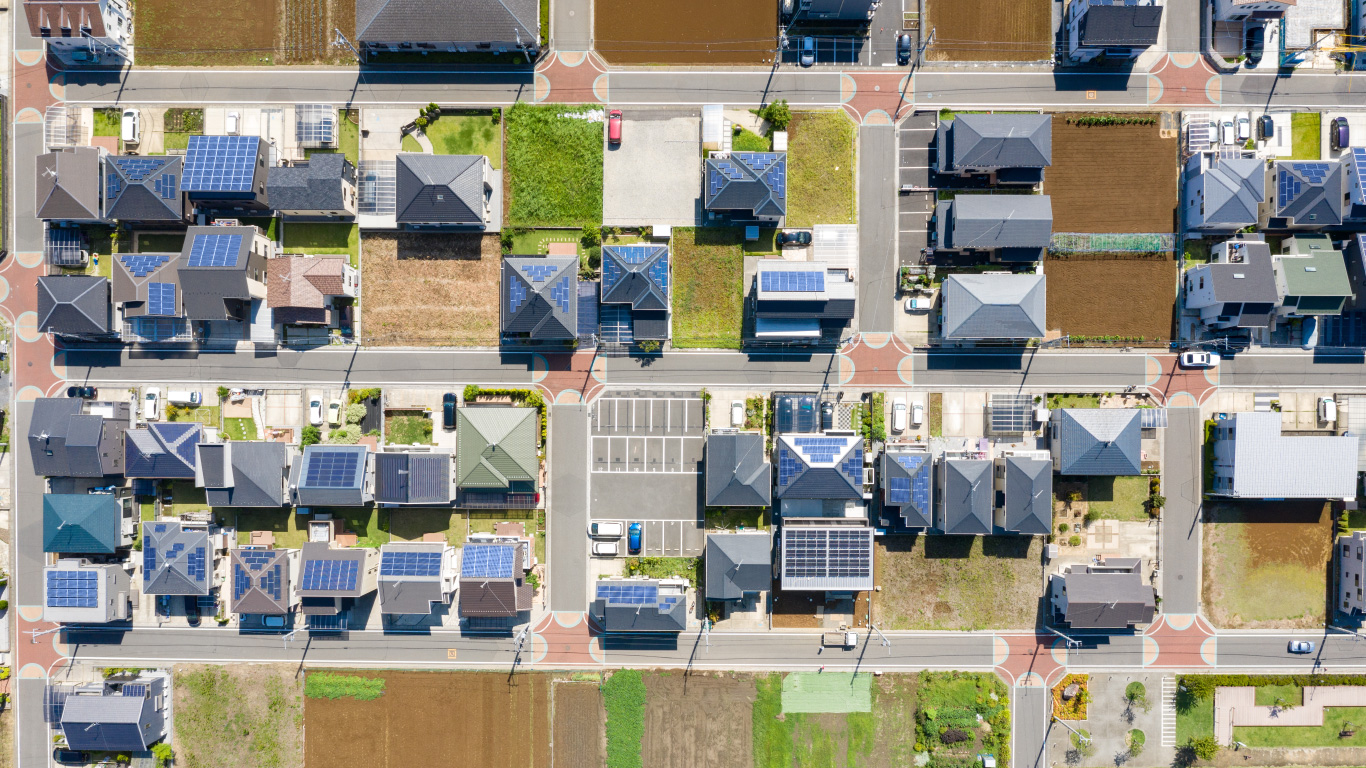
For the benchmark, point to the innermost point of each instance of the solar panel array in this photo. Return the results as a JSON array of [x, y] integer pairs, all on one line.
[[910, 490], [1290, 182], [332, 575], [394, 563], [161, 299], [562, 294], [759, 161], [113, 185], [517, 293], [138, 690], [268, 579], [315, 125], [487, 561], [629, 594], [818, 450], [659, 272], [1011, 413], [62, 246], [196, 558], [332, 469], [137, 169], [634, 254], [220, 164], [722, 173], [826, 554], [611, 274], [1358, 160], [73, 589], [165, 185], [142, 264], [789, 466], [215, 250], [539, 273], [791, 280]]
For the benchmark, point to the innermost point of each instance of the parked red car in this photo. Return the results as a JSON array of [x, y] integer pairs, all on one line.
[[614, 126]]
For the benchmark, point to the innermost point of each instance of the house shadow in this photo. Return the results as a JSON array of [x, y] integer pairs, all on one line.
[[954, 359], [444, 246]]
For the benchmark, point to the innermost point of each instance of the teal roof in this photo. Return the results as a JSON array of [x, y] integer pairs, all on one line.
[[1321, 270], [83, 523]]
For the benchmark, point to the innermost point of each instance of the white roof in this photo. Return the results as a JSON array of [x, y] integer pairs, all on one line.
[[836, 245], [1269, 465]]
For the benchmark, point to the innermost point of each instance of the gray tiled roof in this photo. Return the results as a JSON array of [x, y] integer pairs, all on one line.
[[530, 306], [1029, 495], [115, 721], [967, 496], [746, 189], [1114, 26], [1099, 441], [172, 574], [1253, 279], [134, 194], [738, 563], [440, 189], [69, 184], [413, 478], [994, 306], [1267, 464], [472, 21], [996, 221], [996, 141], [316, 185], [1108, 600], [64, 442], [635, 281], [244, 473], [1308, 194], [76, 305], [738, 470], [407, 593], [1233, 186]]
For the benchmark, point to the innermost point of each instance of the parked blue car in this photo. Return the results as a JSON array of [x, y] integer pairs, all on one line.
[[633, 539]]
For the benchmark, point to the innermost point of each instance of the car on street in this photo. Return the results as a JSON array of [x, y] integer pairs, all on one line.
[[794, 238], [917, 414], [633, 539], [62, 756], [1193, 358], [737, 413], [1254, 39], [899, 415], [1338, 134], [1300, 646], [903, 49], [1244, 129], [334, 412], [273, 622], [151, 404], [131, 132], [1266, 127], [86, 392], [605, 530], [827, 415], [192, 612], [448, 402], [808, 51], [605, 549], [1226, 133], [614, 127], [315, 412]]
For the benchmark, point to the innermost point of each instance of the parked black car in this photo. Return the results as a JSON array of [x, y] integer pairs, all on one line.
[[827, 415], [794, 238], [1266, 127], [70, 756], [448, 402], [192, 612], [1254, 40], [903, 49], [86, 392]]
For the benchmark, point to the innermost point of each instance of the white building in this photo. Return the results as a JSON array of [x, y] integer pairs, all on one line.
[[83, 31]]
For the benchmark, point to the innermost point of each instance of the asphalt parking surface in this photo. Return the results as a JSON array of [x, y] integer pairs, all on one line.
[[915, 155]]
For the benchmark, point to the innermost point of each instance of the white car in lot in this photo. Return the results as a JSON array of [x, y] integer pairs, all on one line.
[[151, 404], [917, 414], [605, 549], [315, 412], [131, 130], [1197, 359], [605, 530], [737, 413], [899, 415]]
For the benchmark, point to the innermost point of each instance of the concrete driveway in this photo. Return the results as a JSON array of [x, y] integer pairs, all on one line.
[[654, 176]]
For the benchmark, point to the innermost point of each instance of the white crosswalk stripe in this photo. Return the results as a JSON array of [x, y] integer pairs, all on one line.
[[1169, 711]]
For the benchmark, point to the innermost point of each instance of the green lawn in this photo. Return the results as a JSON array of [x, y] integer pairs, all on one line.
[[323, 238], [240, 429], [410, 144], [284, 523], [534, 241], [1118, 498], [1305, 136], [554, 166], [820, 169], [413, 524], [709, 267], [102, 249], [749, 141], [168, 243], [1195, 722], [1073, 401], [1335, 720], [348, 139], [185, 498], [207, 415], [268, 225], [108, 122], [1291, 695], [533, 522], [175, 140], [467, 134], [409, 430], [735, 518], [1197, 252]]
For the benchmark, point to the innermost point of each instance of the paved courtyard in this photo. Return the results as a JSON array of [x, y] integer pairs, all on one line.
[[654, 176]]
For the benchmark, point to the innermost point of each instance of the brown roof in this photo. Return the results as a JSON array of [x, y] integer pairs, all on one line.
[[303, 282], [494, 597], [509, 529], [63, 18]]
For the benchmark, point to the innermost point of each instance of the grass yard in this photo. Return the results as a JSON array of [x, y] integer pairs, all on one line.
[[175, 140], [267, 224], [879, 737], [208, 415], [554, 166], [957, 582], [239, 715], [1306, 137], [108, 122], [1283, 695], [820, 171], [1197, 252], [467, 133], [284, 523], [1194, 719], [239, 429], [749, 141], [431, 289], [408, 428], [1073, 401], [709, 267], [1118, 498], [737, 518], [1266, 564], [323, 238], [185, 498], [413, 524], [410, 144], [537, 241], [1335, 720], [160, 242], [532, 520]]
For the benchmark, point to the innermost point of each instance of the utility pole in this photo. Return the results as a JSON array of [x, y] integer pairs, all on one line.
[[1083, 738], [37, 633], [706, 632], [342, 42], [287, 637], [1071, 643], [885, 642], [520, 46]]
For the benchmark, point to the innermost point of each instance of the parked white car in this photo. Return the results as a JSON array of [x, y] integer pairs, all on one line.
[[917, 414], [737, 413], [899, 415], [605, 530], [315, 412], [1328, 410], [605, 549], [132, 127], [151, 404]]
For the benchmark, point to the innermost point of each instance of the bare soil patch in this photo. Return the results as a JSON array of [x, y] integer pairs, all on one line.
[[243, 32], [697, 720], [958, 582], [1097, 170], [700, 32], [1111, 297], [580, 722], [1266, 563], [430, 290], [990, 30], [238, 716]]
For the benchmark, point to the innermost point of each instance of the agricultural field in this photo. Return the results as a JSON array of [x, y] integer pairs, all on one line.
[[820, 169], [1095, 170], [1097, 295], [989, 30], [553, 176], [244, 33], [238, 716], [1266, 564], [579, 723], [703, 32], [957, 582], [431, 290]]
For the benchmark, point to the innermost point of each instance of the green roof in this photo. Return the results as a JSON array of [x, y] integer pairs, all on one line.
[[1314, 271], [82, 523], [496, 447]]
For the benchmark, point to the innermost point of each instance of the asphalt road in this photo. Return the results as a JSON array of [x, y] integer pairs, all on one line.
[[1030, 722], [567, 528], [1182, 470], [877, 201]]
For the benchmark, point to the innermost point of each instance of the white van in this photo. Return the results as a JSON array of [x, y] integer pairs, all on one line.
[[132, 126], [605, 530], [1328, 410], [604, 549], [183, 397]]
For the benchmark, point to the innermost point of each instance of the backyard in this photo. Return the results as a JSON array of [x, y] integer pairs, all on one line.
[[820, 172], [431, 290], [370, 524], [239, 429], [703, 32], [1118, 498], [708, 305], [1306, 141], [317, 239], [989, 30], [1266, 563], [348, 136], [957, 582], [407, 428], [467, 132], [238, 716], [554, 166], [1084, 291], [1096, 168]]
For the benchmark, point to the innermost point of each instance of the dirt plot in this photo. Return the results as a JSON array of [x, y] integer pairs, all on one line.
[[1086, 294], [240, 715], [1266, 563], [580, 722], [700, 32], [1112, 178], [958, 582], [990, 30], [698, 720], [243, 32], [474, 719], [430, 290]]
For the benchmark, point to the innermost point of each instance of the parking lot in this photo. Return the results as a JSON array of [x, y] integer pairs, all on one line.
[[669, 143], [647, 435], [914, 157]]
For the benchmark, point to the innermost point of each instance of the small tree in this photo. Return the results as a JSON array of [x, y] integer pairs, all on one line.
[[224, 393], [355, 413], [1136, 740], [421, 123], [310, 436], [348, 434], [1075, 541], [163, 752], [1205, 747], [1156, 502], [1083, 743], [777, 114], [591, 236], [1063, 527], [1136, 694]]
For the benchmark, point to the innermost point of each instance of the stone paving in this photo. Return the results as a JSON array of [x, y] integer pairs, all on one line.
[[1237, 707]]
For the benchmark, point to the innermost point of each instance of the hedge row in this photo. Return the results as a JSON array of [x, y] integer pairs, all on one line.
[[1202, 686]]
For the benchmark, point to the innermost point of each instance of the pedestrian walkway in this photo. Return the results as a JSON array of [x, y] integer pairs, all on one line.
[[1237, 707], [1169, 711]]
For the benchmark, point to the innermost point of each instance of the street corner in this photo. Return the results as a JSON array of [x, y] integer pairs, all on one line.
[[1209, 651], [26, 327], [571, 83], [37, 87], [1154, 369], [540, 89], [1150, 651], [877, 92], [29, 393], [846, 369], [1000, 650], [28, 259], [1185, 79]]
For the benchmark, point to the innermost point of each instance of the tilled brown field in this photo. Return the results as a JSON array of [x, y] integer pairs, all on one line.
[[1111, 297], [698, 721], [430, 290], [580, 720], [989, 30], [244, 32], [1112, 178], [1266, 563], [700, 32]]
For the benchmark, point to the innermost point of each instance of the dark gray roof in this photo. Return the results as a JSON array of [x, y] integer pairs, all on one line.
[[840, 477], [322, 552], [916, 467], [206, 290], [995, 221], [440, 189], [474, 21], [990, 141], [332, 487], [1246, 288], [162, 450], [1115, 26], [737, 183], [130, 291], [545, 309], [1108, 600], [1029, 495], [637, 275], [738, 471], [967, 496], [738, 563], [64, 441], [413, 478], [1099, 441], [496, 596], [69, 184], [838, 10], [408, 593], [319, 184], [180, 557], [115, 721], [143, 188], [73, 305], [244, 473], [667, 614], [1310, 193], [994, 306], [1232, 187], [261, 586]]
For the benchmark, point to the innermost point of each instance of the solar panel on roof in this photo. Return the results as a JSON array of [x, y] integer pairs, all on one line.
[[220, 164], [561, 294], [628, 594], [330, 575], [792, 281], [393, 563], [113, 185], [166, 186], [611, 274], [634, 254], [826, 554], [659, 272], [72, 589], [133, 689], [899, 490], [517, 294], [161, 299], [487, 561], [215, 250], [142, 264], [332, 469], [539, 273], [137, 169]]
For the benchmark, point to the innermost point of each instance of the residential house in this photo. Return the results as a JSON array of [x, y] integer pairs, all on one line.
[[641, 605], [416, 576], [908, 485], [1011, 228], [227, 174], [820, 476], [330, 579], [1111, 30], [1354, 201], [1007, 148], [1250, 10], [745, 186], [1236, 288], [1096, 441], [83, 32], [738, 472], [144, 190], [493, 580], [445, 191], [826, 558], [321, 188], [85, 523], [262, 581], [74, 306], [635, 293], [1221, 191], [163, 450], [243, 473], [333, 476], [965, 496], [807, 302], [223, 272], [993, 306], [68, 182], [1309, 195], [1351, 569], [125, 715], [1305, 26], [77, 591], [540, 301], [1311, 277], [177, 559], [1254, 460], [1024, 499], [1109, 594], [467, 26], [739, 565], [413, 478], [147, 297], [496, 456], [71, 437], [310, 290], [841, 13]]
